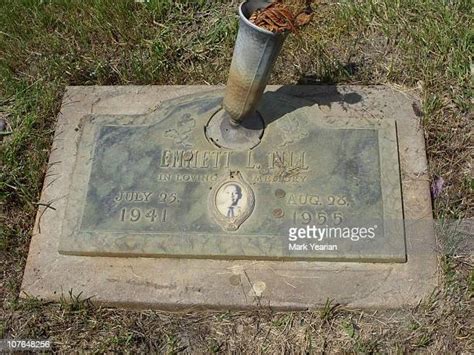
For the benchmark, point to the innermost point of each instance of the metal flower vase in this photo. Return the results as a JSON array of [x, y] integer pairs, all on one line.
[[255, 53]]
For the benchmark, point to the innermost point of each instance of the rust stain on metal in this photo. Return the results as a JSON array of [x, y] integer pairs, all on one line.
[[278, 213], [188, 155], [280, 193], [243, 92]]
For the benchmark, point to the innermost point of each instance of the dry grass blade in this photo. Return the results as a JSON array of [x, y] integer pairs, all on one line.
[[303, 18]]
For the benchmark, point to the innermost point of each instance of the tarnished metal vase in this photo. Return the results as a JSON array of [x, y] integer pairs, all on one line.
[[255, 52]]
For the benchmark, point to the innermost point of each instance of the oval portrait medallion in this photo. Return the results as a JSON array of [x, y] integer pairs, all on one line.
[[232, 201]]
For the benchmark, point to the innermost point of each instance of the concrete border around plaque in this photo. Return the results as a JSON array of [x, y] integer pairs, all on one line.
[[104, 148]]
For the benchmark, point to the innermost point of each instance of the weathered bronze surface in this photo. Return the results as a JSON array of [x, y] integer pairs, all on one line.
[[153, 185]]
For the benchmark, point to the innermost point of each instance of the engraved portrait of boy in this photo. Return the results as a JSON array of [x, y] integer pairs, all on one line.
[[230, 201]]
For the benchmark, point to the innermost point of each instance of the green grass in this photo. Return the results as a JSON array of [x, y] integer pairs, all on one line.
[[425, 47]]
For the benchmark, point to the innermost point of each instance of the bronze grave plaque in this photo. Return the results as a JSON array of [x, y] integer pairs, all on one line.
[[316, 187]]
